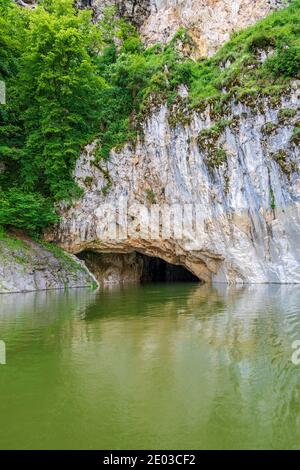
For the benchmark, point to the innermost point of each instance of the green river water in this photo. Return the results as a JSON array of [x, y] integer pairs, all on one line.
[[156, 366]]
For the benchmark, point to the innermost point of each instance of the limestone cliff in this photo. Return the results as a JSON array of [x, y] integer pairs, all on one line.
[[238, 169], [208, 22], [243, 180]]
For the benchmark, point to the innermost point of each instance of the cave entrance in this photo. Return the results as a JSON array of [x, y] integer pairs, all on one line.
[[113, 268], [158, 270]]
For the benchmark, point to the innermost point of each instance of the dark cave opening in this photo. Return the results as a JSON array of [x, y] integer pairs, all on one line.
[[134, 267], [157, 270]]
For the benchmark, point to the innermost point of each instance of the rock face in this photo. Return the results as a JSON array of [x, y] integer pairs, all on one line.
[[114, 268], [243, 185], [117, 268], [28, 266], [26, 3], [238, 190], [136, 11], [209, 22]]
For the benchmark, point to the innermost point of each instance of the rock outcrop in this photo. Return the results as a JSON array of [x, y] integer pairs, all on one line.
[[26, 3], [112, 268], [136, 11], [243, 184], [26, 265], [238, 187], [208, 22]]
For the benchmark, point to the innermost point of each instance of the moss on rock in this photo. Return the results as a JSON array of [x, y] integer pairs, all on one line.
[[285, 115], [287, 166]]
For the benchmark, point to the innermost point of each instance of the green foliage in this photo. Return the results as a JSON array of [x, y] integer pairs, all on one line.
[[260, 42], [208, 142], [70, 81], [63, 256], [269, 128], [54, 91], [285, 115], [237, 69], [287, 166], [11, 241], [28, 211], [285, 62], [179, 112], [150, 195], [208, 137], [272, 199]]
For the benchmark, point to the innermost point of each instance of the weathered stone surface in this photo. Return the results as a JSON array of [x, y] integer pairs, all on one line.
[[26, 3], [248, 206], [117, 268], [136, 11], [209, 22], [28, 266], [114, 268]]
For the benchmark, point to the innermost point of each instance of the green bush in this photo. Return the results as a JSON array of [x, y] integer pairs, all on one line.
[[285, 62], [28, 211], [260, 42]]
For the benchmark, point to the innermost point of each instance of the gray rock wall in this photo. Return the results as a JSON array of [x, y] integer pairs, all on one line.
[[28, 266], [209, 22], [247, 204]]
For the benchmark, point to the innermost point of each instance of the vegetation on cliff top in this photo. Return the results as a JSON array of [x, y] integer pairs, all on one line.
[[70, 81]]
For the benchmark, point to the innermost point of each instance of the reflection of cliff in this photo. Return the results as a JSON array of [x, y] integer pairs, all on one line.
[[195, 365], [230, 318], [226, 350], [32, 314], [258, 384]]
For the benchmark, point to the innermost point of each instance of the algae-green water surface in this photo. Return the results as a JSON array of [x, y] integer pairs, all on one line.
[[157, 366]]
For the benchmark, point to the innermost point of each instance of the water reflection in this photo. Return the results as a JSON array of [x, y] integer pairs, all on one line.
[[154, 366]]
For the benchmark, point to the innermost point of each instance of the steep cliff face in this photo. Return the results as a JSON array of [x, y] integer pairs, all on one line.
[[231, 173], [239, 173]]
